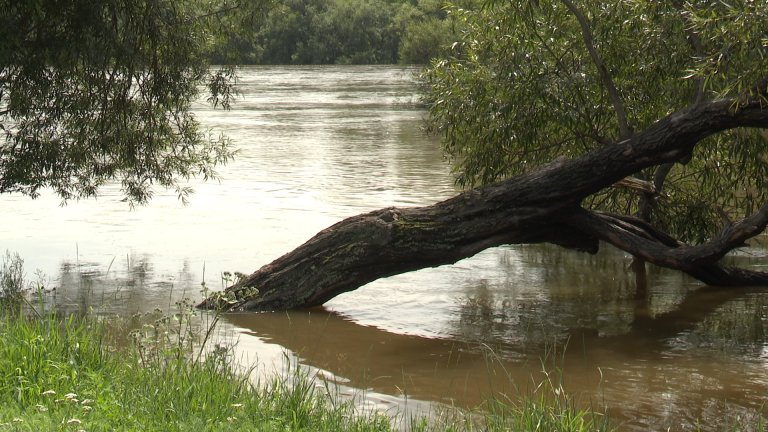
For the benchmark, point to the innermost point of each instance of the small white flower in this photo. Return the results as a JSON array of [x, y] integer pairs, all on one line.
[[41, 408], [17, 420], [73, 421], [70, 395], [87, 408], [236, 405], [86, 401], [48, 393]]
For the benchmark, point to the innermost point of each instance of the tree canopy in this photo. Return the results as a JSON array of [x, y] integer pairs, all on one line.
[[531, 81], [346, 32], [97, 92]]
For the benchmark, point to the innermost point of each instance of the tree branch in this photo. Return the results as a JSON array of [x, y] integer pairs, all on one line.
[[698, 49], [602, 70], [224, 9], [538, 206], [700, 261]]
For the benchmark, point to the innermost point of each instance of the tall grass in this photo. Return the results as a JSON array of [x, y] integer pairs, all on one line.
[[12, 285], [61, 374]]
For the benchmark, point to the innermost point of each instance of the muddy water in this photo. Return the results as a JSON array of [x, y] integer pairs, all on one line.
[[320, 144]]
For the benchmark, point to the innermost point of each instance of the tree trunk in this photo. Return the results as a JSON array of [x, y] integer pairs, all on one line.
[[540, 206]]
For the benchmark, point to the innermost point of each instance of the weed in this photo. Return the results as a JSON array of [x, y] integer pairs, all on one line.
[[12, 287]]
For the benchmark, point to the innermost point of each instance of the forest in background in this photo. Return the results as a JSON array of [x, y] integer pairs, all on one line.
[[345, 32]]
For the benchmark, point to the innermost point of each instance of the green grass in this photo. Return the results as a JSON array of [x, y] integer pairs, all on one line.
[[63, 374], [66, 374]]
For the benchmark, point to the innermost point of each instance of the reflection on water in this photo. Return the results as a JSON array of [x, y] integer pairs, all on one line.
[[320, 144], [665, 360]]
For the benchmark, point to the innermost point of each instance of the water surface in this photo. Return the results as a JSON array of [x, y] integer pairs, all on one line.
[[318, 144]]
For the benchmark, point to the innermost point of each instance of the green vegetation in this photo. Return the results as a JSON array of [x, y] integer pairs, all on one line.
[[344, 32], [529, 82], [92, 93], [101, 93], [12, 287], [74, 373], [63, 374]]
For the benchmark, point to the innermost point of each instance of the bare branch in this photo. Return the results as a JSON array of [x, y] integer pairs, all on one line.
[[637, 184], [602, 70]]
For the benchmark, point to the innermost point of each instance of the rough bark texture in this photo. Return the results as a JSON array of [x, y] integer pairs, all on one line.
[[539, 206]]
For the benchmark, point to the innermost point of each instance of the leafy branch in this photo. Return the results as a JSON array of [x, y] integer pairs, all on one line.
[[589, 41]]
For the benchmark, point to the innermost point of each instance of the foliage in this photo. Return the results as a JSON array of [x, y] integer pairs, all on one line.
[[12, 287], [350, 32], [427, 31], [346, 32], [522, 88], [92, 93]]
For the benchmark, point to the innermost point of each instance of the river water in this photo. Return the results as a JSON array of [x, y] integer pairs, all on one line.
[[318, 144]]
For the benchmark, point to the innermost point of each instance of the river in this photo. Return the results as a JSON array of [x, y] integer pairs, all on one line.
[[318, 144]]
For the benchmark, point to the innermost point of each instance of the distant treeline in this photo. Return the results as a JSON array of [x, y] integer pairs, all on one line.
[[345, 32]]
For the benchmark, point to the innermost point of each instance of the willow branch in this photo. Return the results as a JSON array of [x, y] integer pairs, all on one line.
[[542, 205], [700, 261], [602, 70], [698, 48], [694, 40], [225, 9]]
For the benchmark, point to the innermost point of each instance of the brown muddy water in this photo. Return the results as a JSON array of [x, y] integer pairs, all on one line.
[[318, 144]]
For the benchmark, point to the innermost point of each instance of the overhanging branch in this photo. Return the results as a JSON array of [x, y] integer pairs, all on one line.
[[538, 206]]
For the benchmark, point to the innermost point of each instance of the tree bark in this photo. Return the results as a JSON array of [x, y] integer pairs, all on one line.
[[539, 206]]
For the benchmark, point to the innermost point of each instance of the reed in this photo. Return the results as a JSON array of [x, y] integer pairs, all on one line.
[[12, 284]]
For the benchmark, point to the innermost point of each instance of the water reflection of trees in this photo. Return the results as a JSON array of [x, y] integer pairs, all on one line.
[[647, 343], [631, 372], [123, 287], [536, 296], [739, 325], [627, 347], [562, 295]]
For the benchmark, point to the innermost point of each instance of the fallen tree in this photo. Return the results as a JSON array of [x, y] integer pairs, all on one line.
[[569, 115], [543, 205]]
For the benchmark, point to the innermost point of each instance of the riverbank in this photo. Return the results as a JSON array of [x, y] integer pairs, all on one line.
[[66, 374], [161, 371]]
